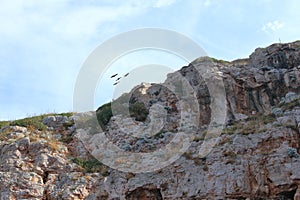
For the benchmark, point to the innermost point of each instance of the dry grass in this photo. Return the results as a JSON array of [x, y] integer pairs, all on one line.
[[290, 105], [4, 123], [255, 124], [34, 122], [53, 144], [3, 134], [91, 165]]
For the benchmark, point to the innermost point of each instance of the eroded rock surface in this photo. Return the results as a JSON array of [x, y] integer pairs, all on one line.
[[255, 157]]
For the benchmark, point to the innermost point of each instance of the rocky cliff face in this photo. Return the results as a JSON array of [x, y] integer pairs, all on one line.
[[255, 157]]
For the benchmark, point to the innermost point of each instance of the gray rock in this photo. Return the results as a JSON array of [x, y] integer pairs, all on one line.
[[288, 121], [262, 163], [15, 135], [55, 121], [277, 111], [290, 96], [17, 129]]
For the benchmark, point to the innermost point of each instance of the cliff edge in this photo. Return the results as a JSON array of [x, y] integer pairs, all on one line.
[[256, 155]]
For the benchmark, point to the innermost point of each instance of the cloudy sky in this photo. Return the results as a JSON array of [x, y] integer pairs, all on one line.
[[44, 43]]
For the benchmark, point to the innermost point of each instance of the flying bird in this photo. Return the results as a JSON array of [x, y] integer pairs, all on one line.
[[126, 75], [116, 83], [113, 75], [118, 78]]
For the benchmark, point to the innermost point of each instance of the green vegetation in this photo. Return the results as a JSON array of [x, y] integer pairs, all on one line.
[[138, 111], [104, 114], [290, 105], [3, 134], [210, 59], [297, 45], [4, 123], [159, 134], [241, 61], [34, 122], [219, 61], [91, 165], [254, 124], [31, 122]]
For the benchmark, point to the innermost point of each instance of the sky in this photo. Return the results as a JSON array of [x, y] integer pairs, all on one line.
[[44, 43]]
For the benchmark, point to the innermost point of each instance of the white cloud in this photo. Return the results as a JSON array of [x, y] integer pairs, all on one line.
[[46, 41], [163, 3], [272, 26], [64, 19], [86, 21], [207, 2]]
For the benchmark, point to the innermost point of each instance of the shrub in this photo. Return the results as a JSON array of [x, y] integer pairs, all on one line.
[[138, 111], [91, 165], [290, 105], [292, 153], [253, 124], [3, 134], [4, 123], [104, 114], [210, 59], [33, 122], [159, 134]]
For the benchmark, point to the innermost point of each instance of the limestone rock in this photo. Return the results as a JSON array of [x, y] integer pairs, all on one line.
[[255, 155]]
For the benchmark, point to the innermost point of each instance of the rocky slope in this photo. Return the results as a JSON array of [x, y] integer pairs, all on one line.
[[255, 157]]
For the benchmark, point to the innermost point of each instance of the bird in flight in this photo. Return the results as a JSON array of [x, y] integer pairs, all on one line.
[[126, 75], [113, 75], [116, 83], [118, 78]]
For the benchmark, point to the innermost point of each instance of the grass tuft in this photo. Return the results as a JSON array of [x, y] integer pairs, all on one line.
[[34, 122], [91, 165], [253, 124]]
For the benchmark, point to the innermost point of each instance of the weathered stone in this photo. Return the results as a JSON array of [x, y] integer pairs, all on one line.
[[288, 121], [277, 111], [255, 157]]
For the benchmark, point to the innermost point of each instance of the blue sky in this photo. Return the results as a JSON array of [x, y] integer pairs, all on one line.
[[44, 43]]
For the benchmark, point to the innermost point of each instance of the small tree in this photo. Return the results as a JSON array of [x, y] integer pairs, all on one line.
[[138, 111], [104, 114]]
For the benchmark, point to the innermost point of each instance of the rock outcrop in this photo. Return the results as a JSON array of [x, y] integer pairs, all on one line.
[[256, 154]]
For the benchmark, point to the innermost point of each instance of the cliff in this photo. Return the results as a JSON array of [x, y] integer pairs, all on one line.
[[255, 155]]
